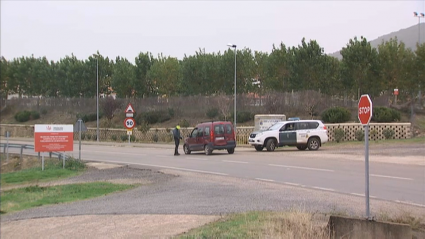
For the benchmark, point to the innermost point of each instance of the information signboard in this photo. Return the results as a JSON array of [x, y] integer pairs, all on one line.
[[53, 137]]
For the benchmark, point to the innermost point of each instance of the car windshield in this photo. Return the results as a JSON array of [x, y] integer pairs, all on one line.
[[275, 126]]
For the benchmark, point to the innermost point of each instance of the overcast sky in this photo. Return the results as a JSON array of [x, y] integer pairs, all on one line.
[[124, 28]]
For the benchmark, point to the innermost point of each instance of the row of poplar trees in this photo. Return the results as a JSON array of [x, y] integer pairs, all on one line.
[[362, 69]]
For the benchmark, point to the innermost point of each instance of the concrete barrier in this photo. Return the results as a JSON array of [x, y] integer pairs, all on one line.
[[351, 228]]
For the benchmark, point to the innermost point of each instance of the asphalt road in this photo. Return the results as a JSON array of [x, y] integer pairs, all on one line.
[[396, 174]]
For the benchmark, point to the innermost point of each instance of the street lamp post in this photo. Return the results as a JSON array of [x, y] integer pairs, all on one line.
[[419, 16], [234, 115], [97, 98]]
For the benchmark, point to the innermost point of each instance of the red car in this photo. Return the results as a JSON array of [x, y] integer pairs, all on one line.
[[209, 136]]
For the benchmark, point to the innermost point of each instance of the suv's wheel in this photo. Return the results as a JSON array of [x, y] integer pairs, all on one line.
[[207, 150], [186, 149], [313, 143], [231, 151], [271, 144], [259, 148], [302, 147]]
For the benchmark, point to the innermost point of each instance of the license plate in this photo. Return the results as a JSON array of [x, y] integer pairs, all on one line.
[[219, 138]]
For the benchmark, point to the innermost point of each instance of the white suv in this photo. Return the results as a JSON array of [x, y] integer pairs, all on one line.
[[303, 134]]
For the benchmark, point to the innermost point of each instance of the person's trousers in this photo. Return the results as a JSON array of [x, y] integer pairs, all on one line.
[[176, 142]]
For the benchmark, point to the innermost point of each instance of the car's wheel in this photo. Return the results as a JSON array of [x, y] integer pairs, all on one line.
[[231, 151], [271, 144], [313, 143], [259, 148], [302, 147], [207, 150], [186, 149]]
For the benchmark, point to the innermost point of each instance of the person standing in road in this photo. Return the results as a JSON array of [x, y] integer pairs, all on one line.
[[177, 138]]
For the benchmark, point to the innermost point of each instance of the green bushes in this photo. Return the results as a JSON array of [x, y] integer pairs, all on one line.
[[384, 114], [74, 164], [242, 116], [153, 117], [339, 134], [336, 115], [24, 116], [184, 123], [144, 126], [388, 133], [212, 113], [359, 134], [88, 117]]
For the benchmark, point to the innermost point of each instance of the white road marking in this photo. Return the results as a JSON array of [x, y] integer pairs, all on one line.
[[410, 203], [160, 166], [362, 195], [325, 189], [230, 161], [196, 158], [109, 152], [384, 176], [293, 184], [263, 179], [296, 167]]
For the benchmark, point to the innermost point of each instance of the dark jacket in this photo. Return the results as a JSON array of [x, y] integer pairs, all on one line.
[[176, 133]]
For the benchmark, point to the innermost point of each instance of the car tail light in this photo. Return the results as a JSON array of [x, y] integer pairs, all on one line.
[[211, 135], [324, 127]]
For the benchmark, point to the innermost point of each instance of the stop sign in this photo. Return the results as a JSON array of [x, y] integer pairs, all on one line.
[[365, 109]]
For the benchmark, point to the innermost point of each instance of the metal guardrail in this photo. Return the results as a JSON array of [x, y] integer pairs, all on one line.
[[5, 147]]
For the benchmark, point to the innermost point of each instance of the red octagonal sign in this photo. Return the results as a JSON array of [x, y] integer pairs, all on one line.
[[365, 109]]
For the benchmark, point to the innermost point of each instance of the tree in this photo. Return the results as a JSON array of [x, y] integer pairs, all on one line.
[[278, 69], [143, 86], [165, 74], [4, 78], [359, 68], [72, 77], [394, 61], [123, 78], [331, 82], [419, 69], [109, 106], [307, 66], [260, 72]]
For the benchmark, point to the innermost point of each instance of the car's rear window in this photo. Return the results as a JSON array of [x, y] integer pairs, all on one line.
[[313, 125], [228, 129], [219, 129]]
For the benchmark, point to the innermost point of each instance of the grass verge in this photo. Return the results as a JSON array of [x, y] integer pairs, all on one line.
[[293, 224], [53, 171], [35, 196]]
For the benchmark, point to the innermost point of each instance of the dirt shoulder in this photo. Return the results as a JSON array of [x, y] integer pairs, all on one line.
[[104, 226]]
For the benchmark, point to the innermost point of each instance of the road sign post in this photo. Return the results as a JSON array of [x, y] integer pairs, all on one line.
[[365, 114], [129, 122]]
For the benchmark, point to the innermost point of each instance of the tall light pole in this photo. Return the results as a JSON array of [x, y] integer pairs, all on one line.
[[234, 116], [97, 97], [419, 16]]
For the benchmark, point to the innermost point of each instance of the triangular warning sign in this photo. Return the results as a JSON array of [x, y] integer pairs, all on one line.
[[129, 109], [79, 125]]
